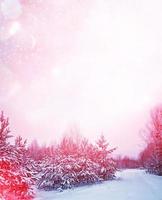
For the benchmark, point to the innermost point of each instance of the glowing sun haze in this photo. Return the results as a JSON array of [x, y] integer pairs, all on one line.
[[92, 64]]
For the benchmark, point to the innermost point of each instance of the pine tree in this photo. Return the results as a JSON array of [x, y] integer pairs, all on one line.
[[14, 184], [104, 159], [75, 163]]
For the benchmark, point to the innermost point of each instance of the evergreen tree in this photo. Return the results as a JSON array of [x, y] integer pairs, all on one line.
[[77, 164], [104, 159], [14, 184]]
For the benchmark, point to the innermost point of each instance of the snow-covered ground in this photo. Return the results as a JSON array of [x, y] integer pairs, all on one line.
[[130, 185]]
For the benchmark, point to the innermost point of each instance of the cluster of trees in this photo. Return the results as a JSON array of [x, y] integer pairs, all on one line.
[[73, 162], [151, 156]]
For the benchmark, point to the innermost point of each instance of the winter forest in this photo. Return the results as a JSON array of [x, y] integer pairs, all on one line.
[[80, 100], [71, 163]]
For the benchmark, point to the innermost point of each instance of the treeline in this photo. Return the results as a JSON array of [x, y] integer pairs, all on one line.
[[74, 161], [127, 162], [151, 157]]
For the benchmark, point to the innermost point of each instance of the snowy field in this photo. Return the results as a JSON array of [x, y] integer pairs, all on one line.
[[130, 185]]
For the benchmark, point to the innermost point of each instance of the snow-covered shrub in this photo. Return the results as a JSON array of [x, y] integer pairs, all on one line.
[[86, 173], [58, 175], [68, 173]]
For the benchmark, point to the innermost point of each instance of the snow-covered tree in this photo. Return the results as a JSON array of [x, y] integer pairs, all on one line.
[[152, 154], [14, 182], [104, 159], [67, 173], [77, 164]]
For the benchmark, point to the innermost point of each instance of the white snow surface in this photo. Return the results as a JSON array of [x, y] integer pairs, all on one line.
[[131, 184]]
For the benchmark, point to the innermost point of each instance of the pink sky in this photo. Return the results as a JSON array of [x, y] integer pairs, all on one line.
[[92, 64]]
